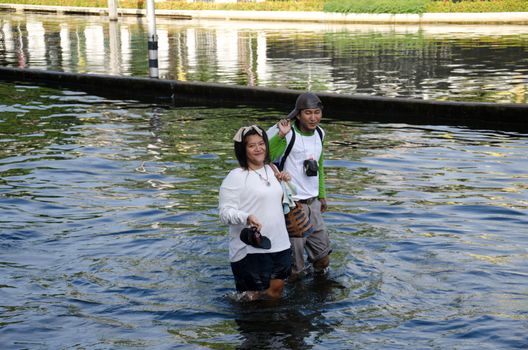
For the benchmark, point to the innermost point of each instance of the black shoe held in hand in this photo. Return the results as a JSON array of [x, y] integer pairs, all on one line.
[[252, 237]]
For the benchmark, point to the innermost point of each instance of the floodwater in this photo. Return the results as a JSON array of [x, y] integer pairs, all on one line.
[[110, 239], [431, 62]]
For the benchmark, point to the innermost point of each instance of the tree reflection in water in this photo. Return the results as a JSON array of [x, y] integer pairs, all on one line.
[[468, 63]]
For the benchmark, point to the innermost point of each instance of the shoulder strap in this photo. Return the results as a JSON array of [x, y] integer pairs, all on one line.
[[320, 132], [273, 167], [288, 150]]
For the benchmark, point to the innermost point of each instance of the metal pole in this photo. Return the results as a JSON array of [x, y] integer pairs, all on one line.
[[115, 47], [112, 10], [152, 40]]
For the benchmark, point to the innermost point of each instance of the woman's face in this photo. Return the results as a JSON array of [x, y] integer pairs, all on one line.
[[255, 150]]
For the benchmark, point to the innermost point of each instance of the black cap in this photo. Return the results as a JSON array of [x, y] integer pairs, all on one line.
[[252, 237], [305, 101]]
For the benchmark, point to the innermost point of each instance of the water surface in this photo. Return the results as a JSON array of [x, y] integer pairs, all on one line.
[[110, 239]]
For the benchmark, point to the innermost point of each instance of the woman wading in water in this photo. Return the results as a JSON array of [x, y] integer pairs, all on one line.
[[251, 204]]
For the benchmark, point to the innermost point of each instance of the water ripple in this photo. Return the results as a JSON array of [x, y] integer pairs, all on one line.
[[109, 224]]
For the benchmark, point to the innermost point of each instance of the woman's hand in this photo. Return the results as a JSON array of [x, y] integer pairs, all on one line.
[[252, 221], [284, 126], [283, 176]]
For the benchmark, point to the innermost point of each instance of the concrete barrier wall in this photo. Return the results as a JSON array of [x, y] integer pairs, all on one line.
[[292, 16], [349, 107]]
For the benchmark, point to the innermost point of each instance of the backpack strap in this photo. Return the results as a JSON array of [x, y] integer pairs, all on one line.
[[320, 132], [288, 150], [290, 146]]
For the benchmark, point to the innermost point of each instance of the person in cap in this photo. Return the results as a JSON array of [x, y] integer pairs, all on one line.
[[250, 202], [296, 144]]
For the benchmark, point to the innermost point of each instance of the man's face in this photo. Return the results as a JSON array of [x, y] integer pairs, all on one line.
[[309, 119]]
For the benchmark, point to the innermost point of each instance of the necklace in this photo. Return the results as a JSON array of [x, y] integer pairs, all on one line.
[[266, 180]]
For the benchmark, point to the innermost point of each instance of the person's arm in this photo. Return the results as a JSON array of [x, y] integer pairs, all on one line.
[[277, 147], [277, 138], [229, 202], [322, 187]]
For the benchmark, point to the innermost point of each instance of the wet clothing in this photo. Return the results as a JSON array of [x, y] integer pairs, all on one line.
[[255, 271], [316, 245]]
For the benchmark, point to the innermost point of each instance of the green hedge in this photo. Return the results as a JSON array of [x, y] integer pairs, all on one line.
[[478, 6], [423, 6], [376, 6]]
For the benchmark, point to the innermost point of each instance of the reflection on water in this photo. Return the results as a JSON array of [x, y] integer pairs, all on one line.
[[475, 63], [109, 234]]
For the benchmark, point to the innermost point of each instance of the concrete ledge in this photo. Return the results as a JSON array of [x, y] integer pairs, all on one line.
[[289, 16], [512, 117], [97, 11], [293, 16]]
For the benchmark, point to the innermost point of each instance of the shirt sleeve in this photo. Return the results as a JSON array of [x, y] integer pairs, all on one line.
[[229, 202], [322, 187], [277, 147]]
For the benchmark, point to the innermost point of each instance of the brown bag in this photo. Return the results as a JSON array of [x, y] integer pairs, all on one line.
[[298, 222]]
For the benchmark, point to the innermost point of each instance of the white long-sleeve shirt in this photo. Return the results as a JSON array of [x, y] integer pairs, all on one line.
[[243, 193]]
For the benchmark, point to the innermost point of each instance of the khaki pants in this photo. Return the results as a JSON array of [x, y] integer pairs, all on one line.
[[316, 245]]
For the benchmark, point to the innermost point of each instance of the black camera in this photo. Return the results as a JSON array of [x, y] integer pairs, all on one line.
[[310, 167]]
